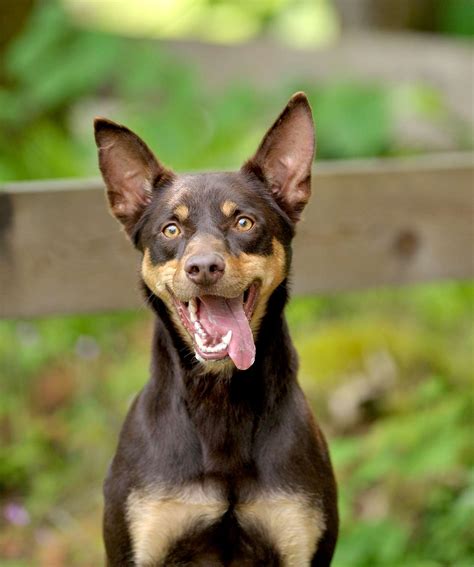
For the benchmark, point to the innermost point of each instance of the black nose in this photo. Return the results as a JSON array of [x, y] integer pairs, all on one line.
[[205, 269]]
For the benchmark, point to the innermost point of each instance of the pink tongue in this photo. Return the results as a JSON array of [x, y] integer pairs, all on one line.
[[218, 315]]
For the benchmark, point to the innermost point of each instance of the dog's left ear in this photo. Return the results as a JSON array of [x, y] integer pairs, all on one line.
[[285, 155]]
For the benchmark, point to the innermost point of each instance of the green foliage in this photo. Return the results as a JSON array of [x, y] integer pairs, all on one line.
[[297, 22], [405, 468], [354, 120], [408, 477], [59, 76], [456, 17], [387, 320]]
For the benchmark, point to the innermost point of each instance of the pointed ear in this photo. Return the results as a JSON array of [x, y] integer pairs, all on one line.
[[130, 171], [285, 156]]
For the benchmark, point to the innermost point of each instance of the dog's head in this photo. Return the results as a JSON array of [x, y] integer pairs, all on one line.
[[215, 245]]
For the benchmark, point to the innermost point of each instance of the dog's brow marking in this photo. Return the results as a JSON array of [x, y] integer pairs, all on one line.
[[182, 212], [158, 516], [293, 524], [228, 208]]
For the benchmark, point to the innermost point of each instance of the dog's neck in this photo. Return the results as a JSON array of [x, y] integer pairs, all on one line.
[[226, 408]]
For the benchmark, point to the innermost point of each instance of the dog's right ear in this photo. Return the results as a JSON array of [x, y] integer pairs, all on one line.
[[130, 171]]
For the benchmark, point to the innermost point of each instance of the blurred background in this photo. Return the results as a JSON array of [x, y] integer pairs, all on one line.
[[389, 371]]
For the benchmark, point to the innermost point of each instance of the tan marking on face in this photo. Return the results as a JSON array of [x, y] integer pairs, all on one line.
[[158, 516], [241, 271], [291, 522], [181, 212], [228, 208], [158, 278]]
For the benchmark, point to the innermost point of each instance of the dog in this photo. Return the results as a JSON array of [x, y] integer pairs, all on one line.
[[219, 462]]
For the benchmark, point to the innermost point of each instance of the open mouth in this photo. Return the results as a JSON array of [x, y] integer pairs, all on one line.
[[220, 326]]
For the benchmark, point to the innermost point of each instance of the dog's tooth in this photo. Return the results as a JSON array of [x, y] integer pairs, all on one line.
[[192, 310], [203, 346], [226, 338], [217, 348], [199, 341], [198, 327], [200, 331], [210, 349], [198, 357]]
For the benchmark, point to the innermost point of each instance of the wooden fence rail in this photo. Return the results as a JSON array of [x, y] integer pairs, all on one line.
[[372, 223]]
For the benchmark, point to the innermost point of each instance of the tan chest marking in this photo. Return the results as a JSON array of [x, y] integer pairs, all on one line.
[[293, 526], [158, 516]]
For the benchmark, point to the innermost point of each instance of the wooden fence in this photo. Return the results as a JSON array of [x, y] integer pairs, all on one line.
[[370, 223]]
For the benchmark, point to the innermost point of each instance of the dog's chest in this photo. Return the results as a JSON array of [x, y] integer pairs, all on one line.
[[158, 517]]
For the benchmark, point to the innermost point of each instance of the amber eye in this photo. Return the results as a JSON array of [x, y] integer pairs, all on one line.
[[244, 224], [171, 231]]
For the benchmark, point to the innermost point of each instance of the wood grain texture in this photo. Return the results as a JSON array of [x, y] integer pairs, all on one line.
[[382, 222]]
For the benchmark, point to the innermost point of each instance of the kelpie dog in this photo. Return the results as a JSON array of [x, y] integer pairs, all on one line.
[[220, 462]]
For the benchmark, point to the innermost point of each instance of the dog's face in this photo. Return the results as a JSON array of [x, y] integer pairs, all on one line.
[[215, 245]]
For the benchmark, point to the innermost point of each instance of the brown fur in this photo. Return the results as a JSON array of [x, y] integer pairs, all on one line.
[[217, 467]]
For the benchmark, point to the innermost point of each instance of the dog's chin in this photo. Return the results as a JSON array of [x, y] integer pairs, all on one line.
[[219, 327]]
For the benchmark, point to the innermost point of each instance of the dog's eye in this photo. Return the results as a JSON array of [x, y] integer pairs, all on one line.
[[244, 224], [171, 231]]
